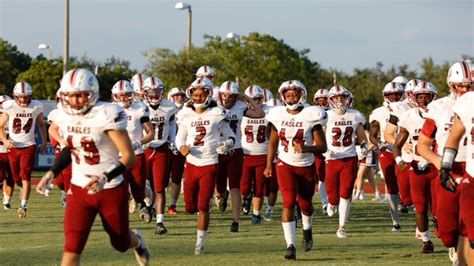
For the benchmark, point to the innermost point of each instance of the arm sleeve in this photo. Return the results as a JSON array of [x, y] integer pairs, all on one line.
[[62, 161], [172, 134]]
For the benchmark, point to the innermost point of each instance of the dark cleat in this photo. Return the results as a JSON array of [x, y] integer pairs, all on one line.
[[160, 229], [290, 253], [307, 240]]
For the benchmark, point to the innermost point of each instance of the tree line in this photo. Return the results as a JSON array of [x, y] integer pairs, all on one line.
[[253, 59]]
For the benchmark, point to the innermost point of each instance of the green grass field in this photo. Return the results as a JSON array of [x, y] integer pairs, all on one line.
[[38, 239]]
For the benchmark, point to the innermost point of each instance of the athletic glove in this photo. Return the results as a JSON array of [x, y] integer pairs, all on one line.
[[173, 148], [96, 184], [136, 144], [447, 180], [225, 146]]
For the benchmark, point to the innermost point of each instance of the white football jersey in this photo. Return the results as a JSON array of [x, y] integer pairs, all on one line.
[[296, 128], [92, 151], [22, 122], [201, 132], [464, 108], [3, 148], [340, 133], [381, 115], [135, 112], [441, 111], [160, 119], [398, 108], [412, 121], [254, 140], [235, 115]]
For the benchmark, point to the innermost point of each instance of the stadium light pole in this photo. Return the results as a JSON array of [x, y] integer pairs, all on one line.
[[184, 6], [44, 46], [66, 36]]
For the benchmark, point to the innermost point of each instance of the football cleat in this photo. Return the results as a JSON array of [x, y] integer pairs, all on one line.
[[396, 228], [246, 201], [325, 209], [160, 229], [256, 219], [234, 227], [341, 233], [142, 254], [7, 206], [427, 247], [21, 213], [403, 208], [331, 209], [172, 209], [221, 201], [145, 215], [377, 198], [132, 206], [63, 199], [198, 250], [307, 240], [290, 253], [268, 216]]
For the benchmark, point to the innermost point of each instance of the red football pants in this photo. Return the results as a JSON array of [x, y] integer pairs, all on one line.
[[136, 176], [177, 168], [198, 186], [340, 177], [22, 161], [422, 187], [388, 165], [157, 165], [230, 165], [252, 175]]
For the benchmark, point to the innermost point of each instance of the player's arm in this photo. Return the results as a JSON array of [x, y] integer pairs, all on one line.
[[121, 140], [319, 142], [181, 140], [272, 149], [425, 142], [53, 131], [374, 132], [3, 135], [42, 128], [402, 137], [255, 111], [172, 134], [449, 153], [362, 139], [391, 130], [149, 130], [229, 136]]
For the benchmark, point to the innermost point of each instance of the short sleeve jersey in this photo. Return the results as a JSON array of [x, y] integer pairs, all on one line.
[[296, 128], [135, 112], [201, 134], [160, 119], [92, 150], [22, 122], [235, 115], [3, 148], [412, 121], [254, 140], [464, 108], [381, 115], [340, 133]]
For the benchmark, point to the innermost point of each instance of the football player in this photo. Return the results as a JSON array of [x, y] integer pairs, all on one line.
[[95, 133], [178, 97], [6, 178], [236, 106], [343, 126], [201, 122], [463, 123], [22, 115], [138, 123], [436, 128], [254, 145], [422, 173], [138, 82], [366, 168], [296, 130], [162, 117], [320, 99]]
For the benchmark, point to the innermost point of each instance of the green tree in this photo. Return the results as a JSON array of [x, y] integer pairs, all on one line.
[[12, 63], [44, 76]]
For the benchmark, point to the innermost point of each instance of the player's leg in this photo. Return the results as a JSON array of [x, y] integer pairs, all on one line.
[[306, 182], [271, 192], [246, 181], [234, 172], [347, 176], [160, 180], [137, 179], [361, 172], [387, 164], [177, 169], [7, 178], [320, 164], [258, 188], [222, 194], [27, 161], [333, 168]]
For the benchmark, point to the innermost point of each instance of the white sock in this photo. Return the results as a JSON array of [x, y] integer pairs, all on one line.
[[377, 193], [322, 193], [393, 207], [268, 208], [307, 221], [425, 236], [201, 236], [256, 212], [344, 209], [6, 198], [289, 230], [23, 203], [159, 218]]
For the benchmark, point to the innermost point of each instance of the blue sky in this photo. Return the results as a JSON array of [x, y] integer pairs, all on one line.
[[341, 34]]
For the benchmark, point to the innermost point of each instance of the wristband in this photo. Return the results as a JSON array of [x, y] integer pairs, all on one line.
[[448, 158], [398, 159], [115, 170]]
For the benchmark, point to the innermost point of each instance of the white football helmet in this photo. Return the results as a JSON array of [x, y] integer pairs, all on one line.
[[273, 102], [392, 92], [22, 93], [408, 93], [460, 74], [339, 90], [206, 71], [293, 85], [400, 79], [153, 88], [228, 93], [137, 81], [204, 84], [81, 83], [424, 87], [267, 95], [4, 98], [122, 93], [323, 95], [175, 92], [254, 91]]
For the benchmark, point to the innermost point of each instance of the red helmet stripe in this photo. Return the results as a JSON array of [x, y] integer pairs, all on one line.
[[140, 80], [22, 87], [465, 69], [71, 78]]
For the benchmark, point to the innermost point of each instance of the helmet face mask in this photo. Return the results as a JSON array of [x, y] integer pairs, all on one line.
[[123, 99], [200, 93], [460, 78], [227, 99], [137, 82], [77, 102], [22, 100], [153, 96], [321, 101], [423, 99], [292, 94], [340, 98], [423, 94]]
